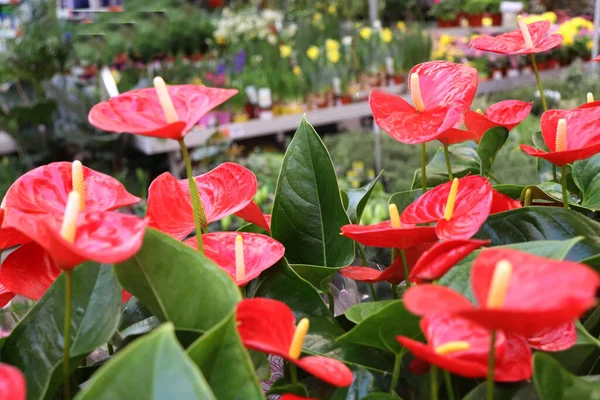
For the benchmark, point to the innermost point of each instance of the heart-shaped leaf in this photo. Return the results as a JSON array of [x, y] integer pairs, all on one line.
[[489, 146], [381, 328], [404, 199], [553, 382], [586, 174], [308, 211], [360, 311], [225, 363], [504, 391], [318, 277], [176, 283], [358, 199], [464, 159], [35, 346], [543, 223], [152, 367]]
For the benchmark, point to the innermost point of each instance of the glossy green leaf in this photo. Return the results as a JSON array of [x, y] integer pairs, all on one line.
[[459, 277], [280, 282], [543, 223], [318, 277], [538, 141], [360, 311], [553, 382], [225, 363], [582, 357], [154, 367], [513, 191], [404, 199], [380, 328], [363, 384], [308, 211], [379, 396], [35, 346], [358, 199], [502, 391], [177, 283], [464, 159], [489, 146], [586, 174]]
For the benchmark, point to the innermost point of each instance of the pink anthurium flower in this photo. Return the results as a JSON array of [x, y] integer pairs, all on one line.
[[253, 214], [268, 326], [12, 383], [508, 114], [242, 255], [528, 39]]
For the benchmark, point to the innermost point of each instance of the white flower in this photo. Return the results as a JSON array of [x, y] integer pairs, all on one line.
[[347, 41], [377, 25]]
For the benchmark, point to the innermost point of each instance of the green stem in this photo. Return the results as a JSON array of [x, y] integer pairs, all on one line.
[[331, 302], [67, 333], [423, 168], [494, 178], [554, 176], [433, 381], [563, 181], [394, 291], [396, 372], [405, 266], [111, 349], [448, 164], [491, 364], [539, 82], [373, 292], [363, 255], [194, 194], [449, 388]]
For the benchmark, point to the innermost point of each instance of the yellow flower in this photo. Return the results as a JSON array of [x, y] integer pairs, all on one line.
[[401, 26], [285, 50], [365, 33], [333, 56], [331, 9], [198, 81], [487, 21], [116, 75], [386, 35], [318, 17], [297, 70], [221, 40], [589, 44], [446, 40], [313, 52], [332, 45]]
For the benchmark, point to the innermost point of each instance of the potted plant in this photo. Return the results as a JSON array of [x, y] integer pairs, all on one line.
[[493, 10], [446, 12], [474, 10]]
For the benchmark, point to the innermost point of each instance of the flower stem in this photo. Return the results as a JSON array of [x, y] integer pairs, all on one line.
[[111, 349], [433, 381], [405, 266], [293, 374], [197, 206], [491, 364], [448, 164], [539, 82], [394, 291], [396, 372], [423, 168], [449, 388], [494, 178], [67, 333], [331, 302], [373, 292], [554, 176], [563, 181]]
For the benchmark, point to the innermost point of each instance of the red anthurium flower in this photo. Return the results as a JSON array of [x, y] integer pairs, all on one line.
[[105, 237], [5, 295], [140, 111], [267, 326], [441, 92], [253, 214], [557, 338], [570, 135], [436, 261], [508, 113], [225, 190], [290, 396], [12, 383], [511, 288], [242, 255], [528, 39], [384, 235], [461, 347], [502, 202], [460, 207]]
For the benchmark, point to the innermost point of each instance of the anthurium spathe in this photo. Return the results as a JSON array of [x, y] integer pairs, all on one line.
[[528, 39], [557, 338], [511, 289], [459, 207], [268, 326], [461, 347], [507, 113], [242, 255], [253, 214], [12, 383], [225, 190], [570, 135], [5, 295], [502, 202], [140, 111], [441, 92]]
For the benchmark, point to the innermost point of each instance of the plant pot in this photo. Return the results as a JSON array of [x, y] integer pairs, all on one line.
[[447, 23], [215, 3], [120, 58], [475, 20], [542, 65], [496, 19], [553, 64], [240, 116], [346, 99], [564, 62], [398, 79]]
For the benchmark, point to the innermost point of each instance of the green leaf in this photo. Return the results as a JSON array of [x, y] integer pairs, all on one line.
[[586, 174], [177, 283], [381, 328], [404, 199], [513, 191], [543, 223], [464, 159], [553, 382], [379, 396], [225, 363], [280, 282], [152, 367], [308, 211], [538, 141], [318, 277], [360, 311], [364, 383], [581, 358], [458, 278], [502, 391], [489, 146], [357, 200], [35, 346]]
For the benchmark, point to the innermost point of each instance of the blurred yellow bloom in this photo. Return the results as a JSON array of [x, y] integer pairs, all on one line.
[[221, 40], [116, 75], [386, 35], [297, 70], [487, 21], [589, 44], [333, 56], [285, 51], [313, 52], [401, 26], [197, 81], [318, 17], [332, 45], [331, 9], [365, 33]]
